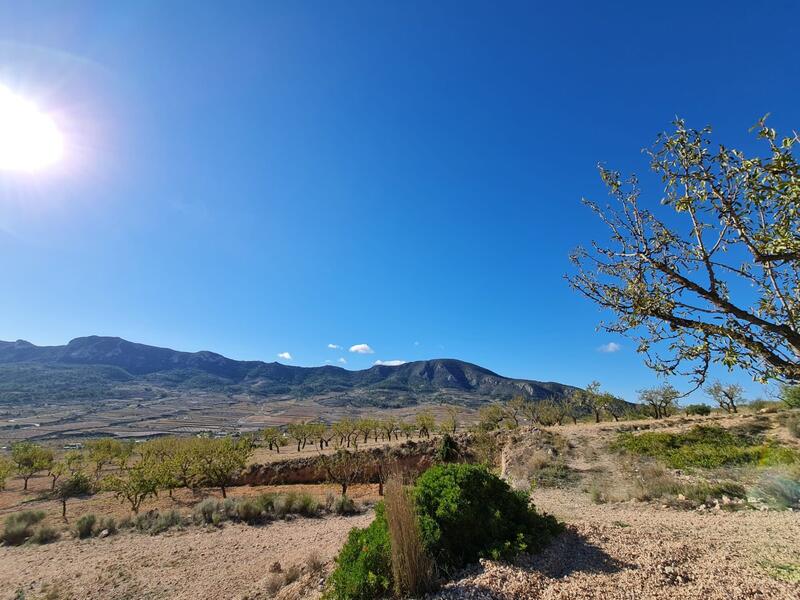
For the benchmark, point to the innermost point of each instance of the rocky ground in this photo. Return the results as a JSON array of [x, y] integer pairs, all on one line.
[[638, 550], [232, 562]]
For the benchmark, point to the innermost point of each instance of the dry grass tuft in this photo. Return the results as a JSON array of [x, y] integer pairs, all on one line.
[[411, 566]]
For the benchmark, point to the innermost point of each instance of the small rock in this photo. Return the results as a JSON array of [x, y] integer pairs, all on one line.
[[103, 533], [275, 567]]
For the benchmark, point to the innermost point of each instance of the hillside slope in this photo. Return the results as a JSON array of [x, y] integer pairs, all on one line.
[[94, 366]]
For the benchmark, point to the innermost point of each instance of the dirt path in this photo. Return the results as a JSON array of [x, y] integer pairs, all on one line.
[[232, 562]]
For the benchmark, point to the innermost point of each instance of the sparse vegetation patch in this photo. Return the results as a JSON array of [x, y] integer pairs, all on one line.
[[706, 447]]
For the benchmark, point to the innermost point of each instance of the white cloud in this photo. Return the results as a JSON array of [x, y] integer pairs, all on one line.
[[334, 346], [416, 343], [610, 347], [343, 360], [285, 356], [362, 349], [390, 363]]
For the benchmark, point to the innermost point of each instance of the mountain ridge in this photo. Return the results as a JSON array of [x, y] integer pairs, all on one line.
[[209, 371]]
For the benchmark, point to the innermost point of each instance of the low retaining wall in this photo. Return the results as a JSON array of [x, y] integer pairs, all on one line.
[[412, 457]]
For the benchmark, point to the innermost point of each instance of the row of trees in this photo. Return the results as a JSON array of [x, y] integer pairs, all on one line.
[[350, 433], [133, 473]]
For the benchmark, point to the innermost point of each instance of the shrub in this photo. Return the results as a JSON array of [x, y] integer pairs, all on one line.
[[26, 517], [707, 447], [363, 568], [698, 409], [412, 568], [44, 535], [203, 512], [314, 563], [15, 533], [19, 526], [705, 492], [266, 502], [106, 524], [554, 475], [790, 394], [465, 513], [793, 425], [344, 506], [154, 522], [777, 491], [306, 505], [274, 584], [228, 508], [653, 481], [291, 574], [249, 511], [84, 526], [448, 450]]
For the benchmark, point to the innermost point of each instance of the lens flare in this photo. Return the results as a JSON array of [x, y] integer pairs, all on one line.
[[29, 139]]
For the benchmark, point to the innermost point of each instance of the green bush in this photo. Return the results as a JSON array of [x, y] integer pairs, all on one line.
[[249, 511], [707, 447], [26, 517], [344, 506], [778, 491], [704, 491], [19, 527], [84, 526], [307, 506], [698, 409], [16, 533], [203, 512], [106, 524], [448, 450], [153, 522], [466, 512], [44, 535], [363, 568]]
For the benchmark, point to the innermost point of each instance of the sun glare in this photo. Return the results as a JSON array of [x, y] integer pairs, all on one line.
[[29, 139]]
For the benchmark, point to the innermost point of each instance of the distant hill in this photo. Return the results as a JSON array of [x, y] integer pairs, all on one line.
[[110, 367]]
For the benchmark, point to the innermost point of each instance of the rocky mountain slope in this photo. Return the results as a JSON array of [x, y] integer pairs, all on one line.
[[94, 367]]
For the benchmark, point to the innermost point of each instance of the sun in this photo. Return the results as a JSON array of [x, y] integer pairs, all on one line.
[[29, 139]]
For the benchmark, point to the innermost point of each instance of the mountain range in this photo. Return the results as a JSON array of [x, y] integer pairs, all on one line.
[[102, 367]]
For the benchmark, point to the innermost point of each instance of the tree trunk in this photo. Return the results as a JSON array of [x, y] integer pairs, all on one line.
[[64, 509], [25, 484], [344, 490], [224, 494]]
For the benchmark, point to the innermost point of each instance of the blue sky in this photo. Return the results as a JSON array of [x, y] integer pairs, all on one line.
[[259, 178]]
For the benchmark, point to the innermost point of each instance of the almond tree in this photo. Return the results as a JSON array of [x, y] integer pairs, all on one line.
[[344, 467], [727, 396], [76, 485], [299, 432], [29, 459], [133, 486], [661, 399], [425, 424], [714, 275], [220, 461], [6, 468], [274, 438]]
